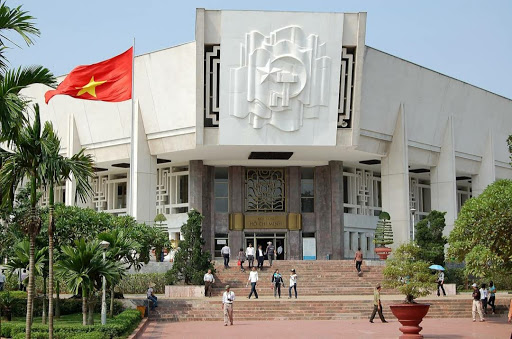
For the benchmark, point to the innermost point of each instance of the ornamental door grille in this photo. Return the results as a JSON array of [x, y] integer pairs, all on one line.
[[265, 190]]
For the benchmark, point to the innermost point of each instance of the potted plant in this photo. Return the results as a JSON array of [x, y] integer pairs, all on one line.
[[411, 276], [383, 236]]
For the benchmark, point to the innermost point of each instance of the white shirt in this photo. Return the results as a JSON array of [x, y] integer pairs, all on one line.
[[293, 279], [228, 297], [2, 278], [279, 250], [249, 251], [225, 250], [260, 253], [209, 277], [253, 276], [440, 277], [150, 292], [483, 293]]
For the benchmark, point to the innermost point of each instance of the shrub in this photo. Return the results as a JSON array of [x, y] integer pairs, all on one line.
[[384, 231], [138, 283], [67, 306]]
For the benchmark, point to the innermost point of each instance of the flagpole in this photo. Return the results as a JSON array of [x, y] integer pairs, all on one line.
[[131, 210]]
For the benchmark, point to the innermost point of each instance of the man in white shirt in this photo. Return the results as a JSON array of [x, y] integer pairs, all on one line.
[[253, 278], [440, 283], [226, 253], [208, 282], [151, 296], [249, 252], [2, 280], [227, 305]]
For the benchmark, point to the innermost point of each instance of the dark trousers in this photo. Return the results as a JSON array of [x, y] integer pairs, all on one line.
[[492, 299], [277, 289], [1, 286], [260, 262], [226, 260], [376, 309], [207, 288], [294, 286], [358, 266], [250, 259], [440, 285], [154, 300], [484, 305], [253, 290]]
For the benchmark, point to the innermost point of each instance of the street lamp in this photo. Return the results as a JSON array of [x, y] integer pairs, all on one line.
[[413, 210], [104, 244]]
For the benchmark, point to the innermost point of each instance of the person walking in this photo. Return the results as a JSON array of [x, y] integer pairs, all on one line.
[[241, 259], [277, 281], [359, 260], [249, 253], [293, 284], [271, 252], [279, 252], [477, 303], [23, 277], [2, 280], [377, 305], [209, 280], [492, 296], [151, 296], [260, 255], [253, 279], [226, 253], [483, 297], [440, 283], [227, 305]]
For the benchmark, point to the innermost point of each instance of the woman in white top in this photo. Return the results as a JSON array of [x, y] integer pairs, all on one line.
[[293, 284], [253, 278], [483, 297]]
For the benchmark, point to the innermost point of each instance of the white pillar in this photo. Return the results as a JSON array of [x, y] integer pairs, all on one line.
[[142, 173], [487, 173], [395, 181], [73, 147], [443, 180]]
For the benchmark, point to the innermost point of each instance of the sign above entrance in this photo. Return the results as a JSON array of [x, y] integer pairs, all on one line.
[[290, 221], [265, 221]]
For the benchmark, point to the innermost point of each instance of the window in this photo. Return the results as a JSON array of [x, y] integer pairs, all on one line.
[[307, 190], [361, 191], [265, 190], [221, 189], [172, 190], [220, 241]]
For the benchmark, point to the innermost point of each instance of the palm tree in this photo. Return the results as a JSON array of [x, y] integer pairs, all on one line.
[[82, 267], [25, 162], [56, 168], [122, 249]]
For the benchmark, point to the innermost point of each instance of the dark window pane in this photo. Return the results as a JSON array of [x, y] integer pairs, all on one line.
[[307, 188], [307, 172], [221, 205], [221, 173], [221, 189], [308, 205]]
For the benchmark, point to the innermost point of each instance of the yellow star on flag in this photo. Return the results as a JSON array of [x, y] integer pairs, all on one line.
[[90, 87]]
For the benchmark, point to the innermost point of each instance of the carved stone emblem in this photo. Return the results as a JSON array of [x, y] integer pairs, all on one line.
[[283, 78]]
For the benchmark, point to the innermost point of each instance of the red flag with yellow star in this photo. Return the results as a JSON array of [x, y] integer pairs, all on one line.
[[109, 80]]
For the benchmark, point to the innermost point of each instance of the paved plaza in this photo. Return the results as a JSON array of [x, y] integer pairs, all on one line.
[[454, 328]]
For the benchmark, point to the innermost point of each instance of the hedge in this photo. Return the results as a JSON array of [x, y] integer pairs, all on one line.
[[121, 325], [138, 283]]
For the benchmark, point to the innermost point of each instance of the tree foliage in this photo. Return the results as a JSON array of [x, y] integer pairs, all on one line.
[[409, 274], [384, 231], [482, 236], [190, 261], [430, 239]]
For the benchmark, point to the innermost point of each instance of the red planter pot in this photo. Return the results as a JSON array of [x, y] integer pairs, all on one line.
[[410, 316], [383, 252]]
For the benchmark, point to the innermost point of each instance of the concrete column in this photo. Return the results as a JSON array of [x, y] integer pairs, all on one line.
[[73, 147], [336, 179], [294, 206], [236, 179], [443, 180], [323, 212], [487, 173], [395, 181], [142, 173], [208, 208]]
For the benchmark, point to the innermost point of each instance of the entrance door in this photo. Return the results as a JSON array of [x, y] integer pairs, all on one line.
[[257, 239]]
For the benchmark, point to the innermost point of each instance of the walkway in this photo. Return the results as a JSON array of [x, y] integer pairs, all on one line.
[[360, 329]]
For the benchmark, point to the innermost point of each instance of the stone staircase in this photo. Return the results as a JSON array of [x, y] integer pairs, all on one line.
[[321, 277]]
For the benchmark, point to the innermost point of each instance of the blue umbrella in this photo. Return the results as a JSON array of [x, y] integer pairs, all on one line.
[[437, 267]]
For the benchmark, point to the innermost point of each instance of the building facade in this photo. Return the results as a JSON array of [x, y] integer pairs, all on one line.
[[286, 127]]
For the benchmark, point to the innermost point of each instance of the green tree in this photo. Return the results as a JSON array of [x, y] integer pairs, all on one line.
[[430, 239], [82, 267], [190, 261], [482, 236], [384, 230], [409, 274]]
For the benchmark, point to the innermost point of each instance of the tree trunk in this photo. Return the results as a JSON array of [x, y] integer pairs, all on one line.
[[30, 294], [51, 225], [84, 307], [43, 316], [57, 300], [90, 315], [111, 311]]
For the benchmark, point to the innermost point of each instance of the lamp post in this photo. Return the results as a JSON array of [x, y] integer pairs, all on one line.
[[104, 244], [413, 210]]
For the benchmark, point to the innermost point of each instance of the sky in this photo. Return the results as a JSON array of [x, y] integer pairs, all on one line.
[[469, 40]]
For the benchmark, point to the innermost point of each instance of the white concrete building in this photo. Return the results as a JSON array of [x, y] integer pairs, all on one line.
[[286, 127]]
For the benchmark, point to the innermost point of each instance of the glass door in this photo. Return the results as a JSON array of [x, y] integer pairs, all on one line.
[[263, 240]]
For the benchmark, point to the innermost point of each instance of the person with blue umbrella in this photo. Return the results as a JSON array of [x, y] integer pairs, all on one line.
[[440, 278]]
